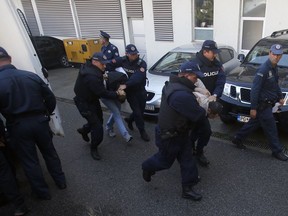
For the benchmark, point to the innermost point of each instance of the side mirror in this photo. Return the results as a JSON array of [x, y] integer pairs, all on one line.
[[241, 57], [45, 72]]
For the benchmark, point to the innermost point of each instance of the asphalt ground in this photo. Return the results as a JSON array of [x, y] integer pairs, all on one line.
[[237, 182]]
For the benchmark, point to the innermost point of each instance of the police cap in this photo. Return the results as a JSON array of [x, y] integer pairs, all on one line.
[[104, 34], [276, 49], [131, 49], [210, 45], [3, 53], [191, 67], [99, 56]]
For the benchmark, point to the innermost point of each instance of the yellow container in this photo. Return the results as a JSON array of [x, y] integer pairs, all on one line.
[[79, 50]]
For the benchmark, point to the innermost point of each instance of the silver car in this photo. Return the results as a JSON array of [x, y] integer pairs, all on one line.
[[170, 63]]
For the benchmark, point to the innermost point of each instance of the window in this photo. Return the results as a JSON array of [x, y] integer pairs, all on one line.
[[203, 16], [226, 55], [253, 15]]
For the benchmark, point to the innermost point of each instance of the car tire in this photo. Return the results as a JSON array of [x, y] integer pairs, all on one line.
[[64, 61]]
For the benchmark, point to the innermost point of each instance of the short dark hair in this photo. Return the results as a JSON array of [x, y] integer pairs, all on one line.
[[215, 107]]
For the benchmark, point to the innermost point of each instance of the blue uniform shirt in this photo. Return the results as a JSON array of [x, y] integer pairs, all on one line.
[[110, 51], [136, 71], [23, 92], [265, 85]]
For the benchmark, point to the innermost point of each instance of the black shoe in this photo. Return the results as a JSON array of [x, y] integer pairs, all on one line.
[[129, 124], [280, 156], [145, 136], [189, 193], [85, 136], [202, 160], [62, 186], [22, 210], [147, 175], [95, 155], [238, 143]]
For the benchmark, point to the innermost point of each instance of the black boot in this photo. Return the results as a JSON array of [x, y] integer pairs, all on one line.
[[189, 193], [144, 136], [239, 144], [202, 160], [85, 136], [94, 153], [129, 124], [147, 175]]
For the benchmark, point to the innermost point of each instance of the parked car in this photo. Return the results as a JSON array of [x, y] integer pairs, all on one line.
[[236, 94], [50, 50], [170, 63]]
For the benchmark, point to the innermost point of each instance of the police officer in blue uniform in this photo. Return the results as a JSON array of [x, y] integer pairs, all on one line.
[[89, 87], [134, 87], [179, 111], [265, 92], [26, 103], [108, 49], [214, 80]]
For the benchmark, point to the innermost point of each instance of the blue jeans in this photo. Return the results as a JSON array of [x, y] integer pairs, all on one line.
[[115, 107]]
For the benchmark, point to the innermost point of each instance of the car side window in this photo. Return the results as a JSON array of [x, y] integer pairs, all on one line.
[[225, 55]]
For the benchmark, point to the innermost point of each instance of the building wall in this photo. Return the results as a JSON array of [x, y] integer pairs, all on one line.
[[182, 29], [276, 19], [227, 22]]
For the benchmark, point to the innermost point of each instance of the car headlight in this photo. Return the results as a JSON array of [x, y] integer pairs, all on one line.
[[286, 99], [226, 90]]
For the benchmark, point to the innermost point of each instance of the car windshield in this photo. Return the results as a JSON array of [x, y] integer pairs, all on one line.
[[171, 62], [260, 53]]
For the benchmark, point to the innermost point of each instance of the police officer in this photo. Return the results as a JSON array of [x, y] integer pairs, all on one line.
[[134, 87], [89, 87], [108, 49], [265, 92], [179, 111], [26, 103], [214, 80]]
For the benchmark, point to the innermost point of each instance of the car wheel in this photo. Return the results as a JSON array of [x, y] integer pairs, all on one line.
[[64, 61]]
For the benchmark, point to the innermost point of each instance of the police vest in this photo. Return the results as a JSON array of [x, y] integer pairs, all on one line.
[[169, 119]]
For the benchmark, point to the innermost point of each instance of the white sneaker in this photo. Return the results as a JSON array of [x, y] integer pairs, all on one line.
[[111, 133], [128, 138]]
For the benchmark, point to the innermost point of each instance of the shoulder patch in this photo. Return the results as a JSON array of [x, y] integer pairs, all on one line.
[[259, 74], [142, 69]]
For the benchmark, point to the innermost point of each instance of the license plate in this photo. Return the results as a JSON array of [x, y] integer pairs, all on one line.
[[149, 107], [244, 119]]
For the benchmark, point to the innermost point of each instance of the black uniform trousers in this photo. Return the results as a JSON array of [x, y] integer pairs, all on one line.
[[178, 147], [264, 119], [137, 102], [25, 134], [93, 113], [201, 134], [8, 183]]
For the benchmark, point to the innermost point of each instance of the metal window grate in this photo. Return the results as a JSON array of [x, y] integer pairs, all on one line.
[[163, 23], [30, 17], [134, 8], [96, 15], [56, 17]]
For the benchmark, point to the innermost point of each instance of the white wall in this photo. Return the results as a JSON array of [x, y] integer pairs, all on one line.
[[227, 22], [182, 29], [276, 16]]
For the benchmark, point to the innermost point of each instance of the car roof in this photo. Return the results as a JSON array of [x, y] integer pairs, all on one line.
[[195, 47]]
